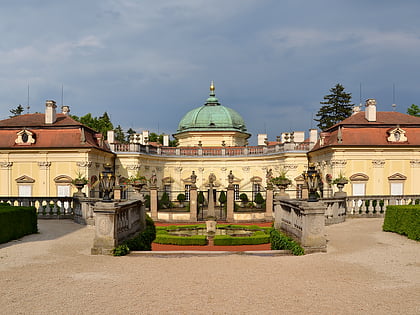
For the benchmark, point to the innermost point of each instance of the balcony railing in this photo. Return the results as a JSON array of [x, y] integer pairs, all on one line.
[[210, 151]]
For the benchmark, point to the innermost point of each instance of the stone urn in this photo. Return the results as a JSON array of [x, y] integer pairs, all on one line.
[[340, 185], [79, 183], [282, 185]]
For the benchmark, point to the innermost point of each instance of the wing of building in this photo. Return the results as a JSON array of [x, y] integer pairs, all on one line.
[[379, 152], [40, 154]]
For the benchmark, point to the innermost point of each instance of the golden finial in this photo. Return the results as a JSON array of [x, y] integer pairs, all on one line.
[[212, 86]]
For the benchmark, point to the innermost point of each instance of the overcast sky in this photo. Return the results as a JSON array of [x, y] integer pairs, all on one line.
[[148, 62]]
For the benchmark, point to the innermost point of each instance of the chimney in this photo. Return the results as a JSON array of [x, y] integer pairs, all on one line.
[[50, 113], [65, 109], [261, 138], [370, 113], [110, 135], [165, 140], [313, 136]]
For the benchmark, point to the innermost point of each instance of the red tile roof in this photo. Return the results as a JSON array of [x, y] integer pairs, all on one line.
[[382, 118], [357, 131], [38, 120], [64, 133]]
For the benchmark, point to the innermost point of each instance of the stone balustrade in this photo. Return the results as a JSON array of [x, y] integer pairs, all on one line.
[[46, 207], [357, 206], [116, 222], [304, 221], [210, 151]]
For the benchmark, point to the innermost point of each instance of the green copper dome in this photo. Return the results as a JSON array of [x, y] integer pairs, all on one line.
[[212, 117]]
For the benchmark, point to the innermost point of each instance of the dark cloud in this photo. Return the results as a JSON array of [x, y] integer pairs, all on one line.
[[148, 62]]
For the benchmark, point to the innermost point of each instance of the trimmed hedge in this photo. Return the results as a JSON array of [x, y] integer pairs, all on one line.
[[227, 240], [280, 241], [16, 222], [404, 220], [162, 238]]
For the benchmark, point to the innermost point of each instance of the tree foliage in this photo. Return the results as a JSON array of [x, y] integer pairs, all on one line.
[[337, 107], [101, 124], [413, 110], [119, 134], [17, 111]]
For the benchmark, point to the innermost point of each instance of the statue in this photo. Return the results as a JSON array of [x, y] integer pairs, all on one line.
[[231, 177], [153, 179], [212, 179], [193, 178]]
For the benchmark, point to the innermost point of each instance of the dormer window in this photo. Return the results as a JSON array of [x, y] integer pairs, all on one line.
[[25, 137], [397, 135]]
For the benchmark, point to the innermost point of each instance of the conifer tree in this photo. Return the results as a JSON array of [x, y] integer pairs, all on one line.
[[413, 110], [17, 111], [337, 107]]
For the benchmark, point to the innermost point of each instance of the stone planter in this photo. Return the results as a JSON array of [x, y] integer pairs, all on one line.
[[340, 185], [79, 184]]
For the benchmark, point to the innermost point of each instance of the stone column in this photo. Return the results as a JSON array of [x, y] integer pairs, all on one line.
[[269, 204], [230, 203], [313, 236], [105, 228], [154, 203], [193, 203]]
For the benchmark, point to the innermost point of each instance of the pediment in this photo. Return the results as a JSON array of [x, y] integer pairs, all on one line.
[[299, 178], [24, 179], [168, 180], [63, 179], [359, 177], [397, 176], [256, 179]]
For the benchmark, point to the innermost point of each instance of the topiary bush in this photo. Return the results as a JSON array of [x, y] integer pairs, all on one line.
[[255, 239], [280, 241], [404, 220], [16, 222], [164, 238]]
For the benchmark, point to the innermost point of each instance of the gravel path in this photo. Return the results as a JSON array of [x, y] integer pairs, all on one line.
[[365, 271]]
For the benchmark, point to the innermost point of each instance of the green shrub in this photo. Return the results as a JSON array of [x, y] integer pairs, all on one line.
[[16, 222], [200, 198], [121, 250], [259, 200], [227, 240], [143, 241], [164, 202], [181, 197], [404, 220], [222, 197], [280, 241], [181, 240], [243, 197]]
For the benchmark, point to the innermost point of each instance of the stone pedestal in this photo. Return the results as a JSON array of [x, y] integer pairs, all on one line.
[[230, 204], [313, 236], [193, 204], [269, 205], [105, 228], [154, 203]]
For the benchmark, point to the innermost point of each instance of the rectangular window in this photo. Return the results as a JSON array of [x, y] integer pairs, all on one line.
[[396, 189], [63, 191], [25, 190], [236, 191], [359, 189], [256, 188], [167, 189], [187, 192]]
